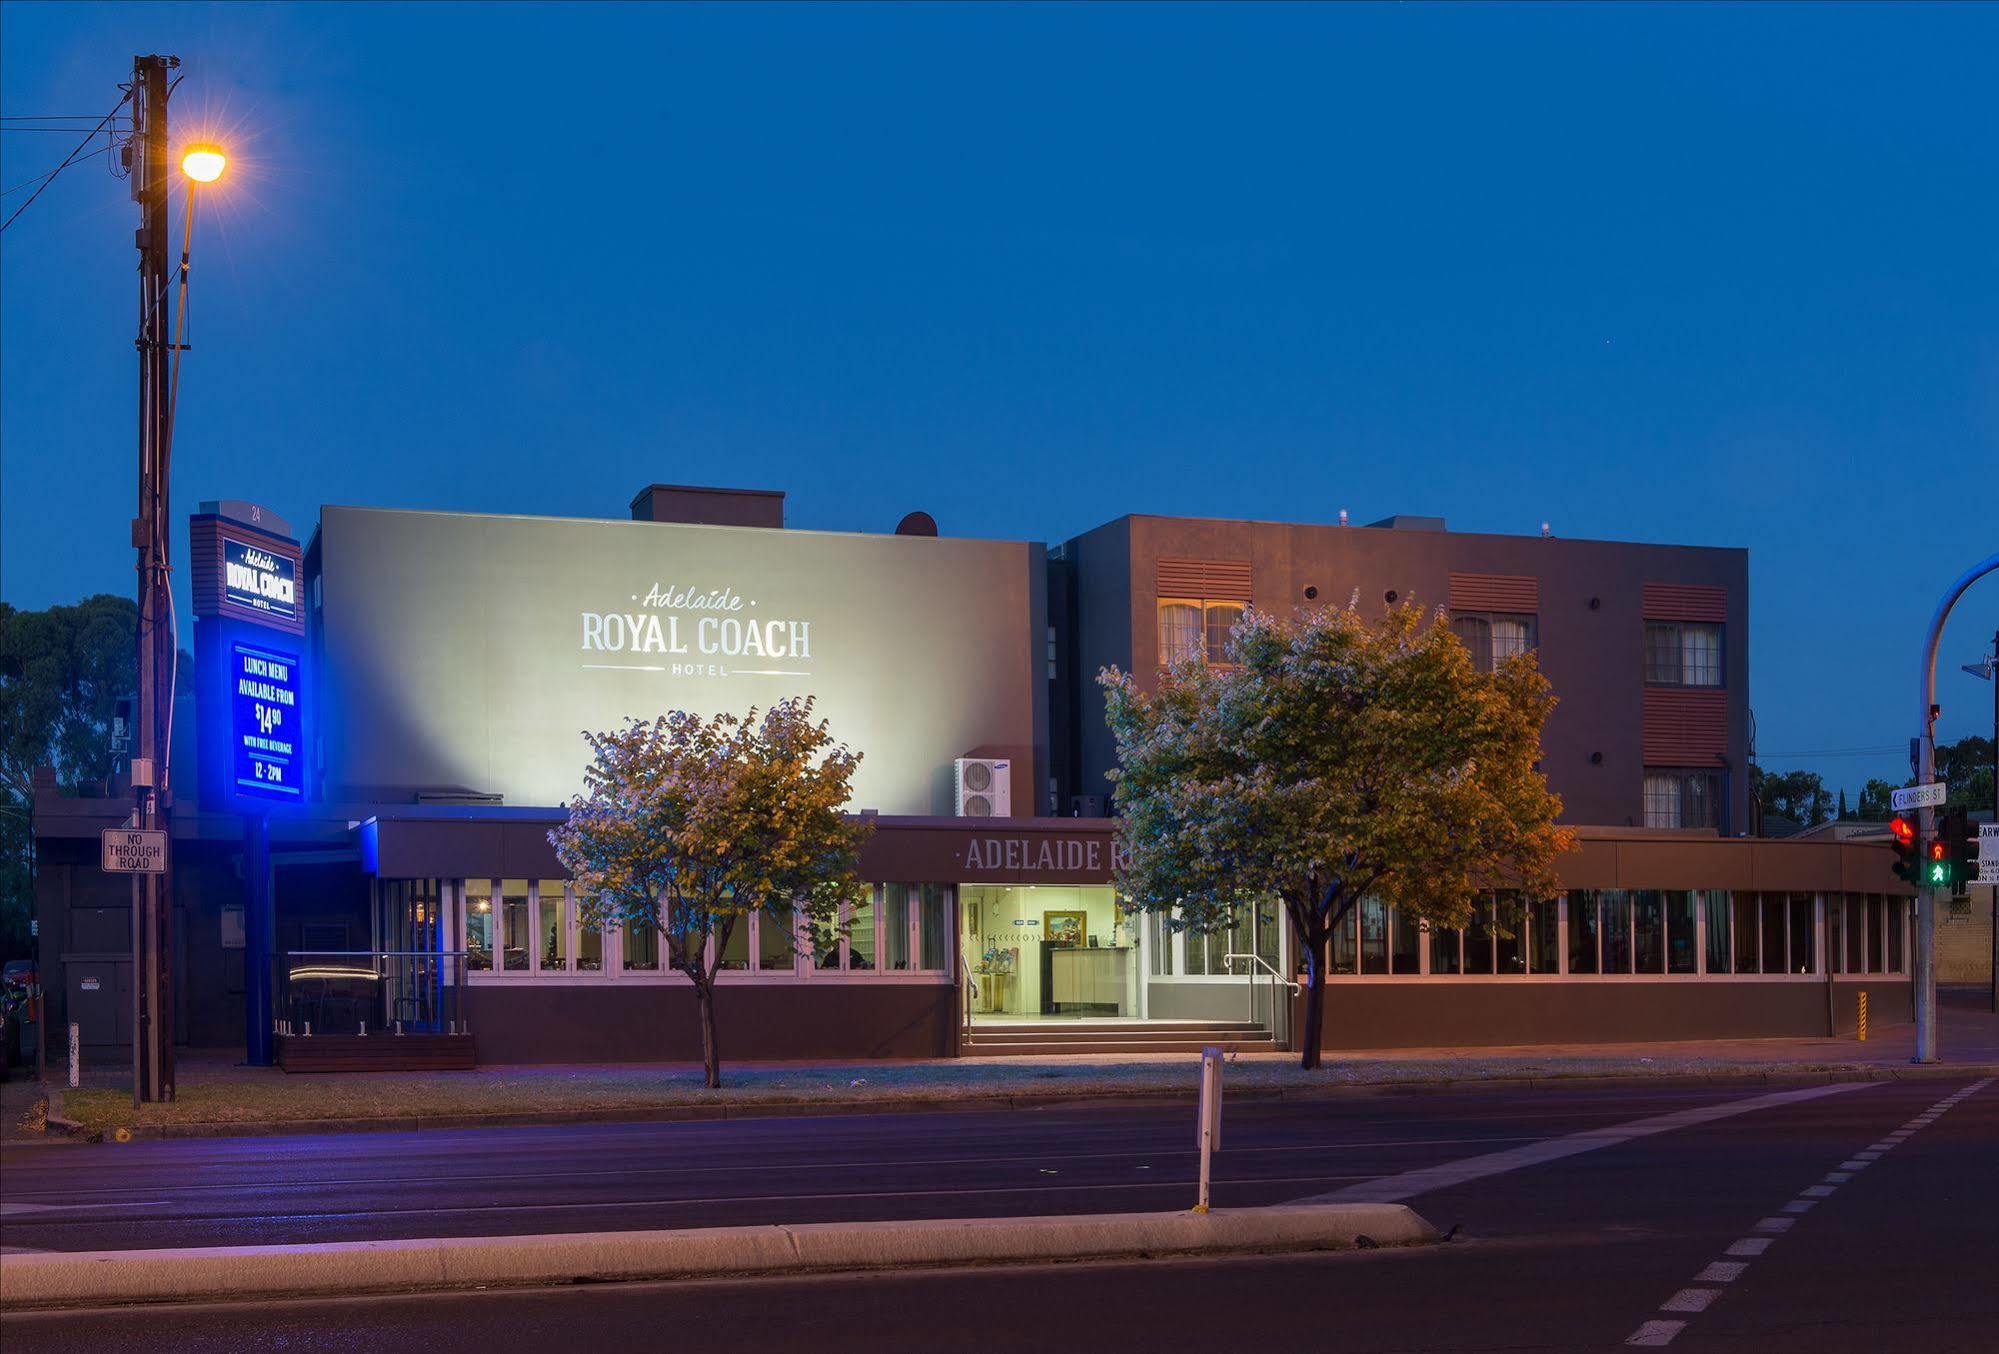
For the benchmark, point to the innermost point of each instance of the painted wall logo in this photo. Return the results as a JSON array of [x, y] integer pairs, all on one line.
[[259, 580], [697, 633]]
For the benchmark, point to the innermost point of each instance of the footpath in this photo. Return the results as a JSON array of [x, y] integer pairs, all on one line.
[[218, 1097]]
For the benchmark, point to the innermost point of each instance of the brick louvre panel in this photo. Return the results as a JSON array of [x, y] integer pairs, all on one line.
[[1685, 727], [1495, 592], [1685, 602], [1213, 580]]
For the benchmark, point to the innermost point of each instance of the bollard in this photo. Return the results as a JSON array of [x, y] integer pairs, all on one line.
[[364, 1029], [75, 1056], [1209, 1135], [1863, 1015]]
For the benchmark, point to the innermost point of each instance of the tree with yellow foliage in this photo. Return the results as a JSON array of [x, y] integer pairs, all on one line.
[[689, 825], [1329, 759]]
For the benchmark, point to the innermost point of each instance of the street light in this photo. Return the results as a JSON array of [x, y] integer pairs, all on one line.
[[203, 163]]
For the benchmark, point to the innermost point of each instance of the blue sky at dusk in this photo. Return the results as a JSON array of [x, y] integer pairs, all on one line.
[[1704, 274]]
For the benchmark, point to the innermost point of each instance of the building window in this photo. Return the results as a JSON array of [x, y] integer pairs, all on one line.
[[479, 924], [1493, 639], [915, 927], [1194, 630], [516, 941], [1682, 798], [1682, 653], [551, 927], [1583, 931], [1716, 904]]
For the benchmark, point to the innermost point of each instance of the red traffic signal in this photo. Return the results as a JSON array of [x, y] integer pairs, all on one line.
[[1903, 830]]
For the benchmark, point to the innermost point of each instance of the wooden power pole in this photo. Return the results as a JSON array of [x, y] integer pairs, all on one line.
[[152, 894]]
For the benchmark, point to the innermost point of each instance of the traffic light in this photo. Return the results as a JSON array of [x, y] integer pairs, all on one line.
[[1954, 834], [1936, 864], [1903, 830]]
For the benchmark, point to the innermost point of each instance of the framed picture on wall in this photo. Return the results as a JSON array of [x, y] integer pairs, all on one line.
[[1063, 928]]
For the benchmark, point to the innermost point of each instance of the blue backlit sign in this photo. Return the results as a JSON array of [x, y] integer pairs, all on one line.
[[266, 731], [260, 580]]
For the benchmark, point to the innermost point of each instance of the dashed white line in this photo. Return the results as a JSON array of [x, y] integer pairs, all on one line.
[[1690, 1300], [1659, 1332]]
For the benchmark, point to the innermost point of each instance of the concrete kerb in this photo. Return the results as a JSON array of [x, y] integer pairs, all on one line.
[[1043, 1100], [94, 1278]]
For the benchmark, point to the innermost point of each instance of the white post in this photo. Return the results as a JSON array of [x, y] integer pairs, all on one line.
[[75, 1056], [1210, 1135]]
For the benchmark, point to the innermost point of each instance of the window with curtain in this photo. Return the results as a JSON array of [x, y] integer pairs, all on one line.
[[1492, 639], [1181, 635], [1682, 798], [1191, 628], [1683, 653], [1719, 939]]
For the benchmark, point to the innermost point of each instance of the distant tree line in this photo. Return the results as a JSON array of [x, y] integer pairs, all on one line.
[[1801, 797]]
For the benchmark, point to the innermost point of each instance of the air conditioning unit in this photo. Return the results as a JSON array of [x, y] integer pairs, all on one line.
[[985, 787]]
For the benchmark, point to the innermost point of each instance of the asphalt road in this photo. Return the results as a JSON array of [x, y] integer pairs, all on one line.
[[1580, 1249]]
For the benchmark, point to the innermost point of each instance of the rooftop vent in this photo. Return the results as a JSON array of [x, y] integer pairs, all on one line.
[[916, 524]]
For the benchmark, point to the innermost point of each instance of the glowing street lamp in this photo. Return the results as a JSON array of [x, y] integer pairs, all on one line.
[[203, 163]]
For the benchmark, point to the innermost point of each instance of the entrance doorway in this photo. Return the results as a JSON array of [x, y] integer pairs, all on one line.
[[1047, 952]]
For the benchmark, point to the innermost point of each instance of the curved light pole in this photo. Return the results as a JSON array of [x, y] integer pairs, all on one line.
[[1926, 763]]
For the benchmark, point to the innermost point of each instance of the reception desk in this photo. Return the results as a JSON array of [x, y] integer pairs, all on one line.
[[1091, 976]]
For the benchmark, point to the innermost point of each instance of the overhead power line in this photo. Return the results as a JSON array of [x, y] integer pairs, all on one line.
[[68, 160]]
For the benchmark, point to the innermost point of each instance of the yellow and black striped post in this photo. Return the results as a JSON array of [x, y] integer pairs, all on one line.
[[1863, 1015]]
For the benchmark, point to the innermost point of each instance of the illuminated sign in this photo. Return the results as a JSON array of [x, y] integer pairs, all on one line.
[[259, 579], [266, 743]]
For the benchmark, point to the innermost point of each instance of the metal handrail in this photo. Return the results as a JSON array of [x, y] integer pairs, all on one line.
[[971, 989], [1280, 1026]]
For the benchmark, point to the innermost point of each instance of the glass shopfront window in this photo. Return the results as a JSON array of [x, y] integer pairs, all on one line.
[[1509, 936], [641, 949], [1719, 950], [1648, 932], [589, 950], [1803, 927], [1748, 927], [478, 924], [1582, 931], [777, 943], [1544, 937], [1616, 913], [1404, 940], [1897, 911], [1478, 939], [551, 927], [1373, 936], [516, 935], [1682, 951], [860, 934], [1053, 951], [1446, 950], [1774, 933]]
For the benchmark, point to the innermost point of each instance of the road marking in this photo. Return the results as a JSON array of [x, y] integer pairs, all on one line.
[[1390, 1189], [1162, 1153], [1690, 1300], [1696, 1300], [1655, 1333]]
